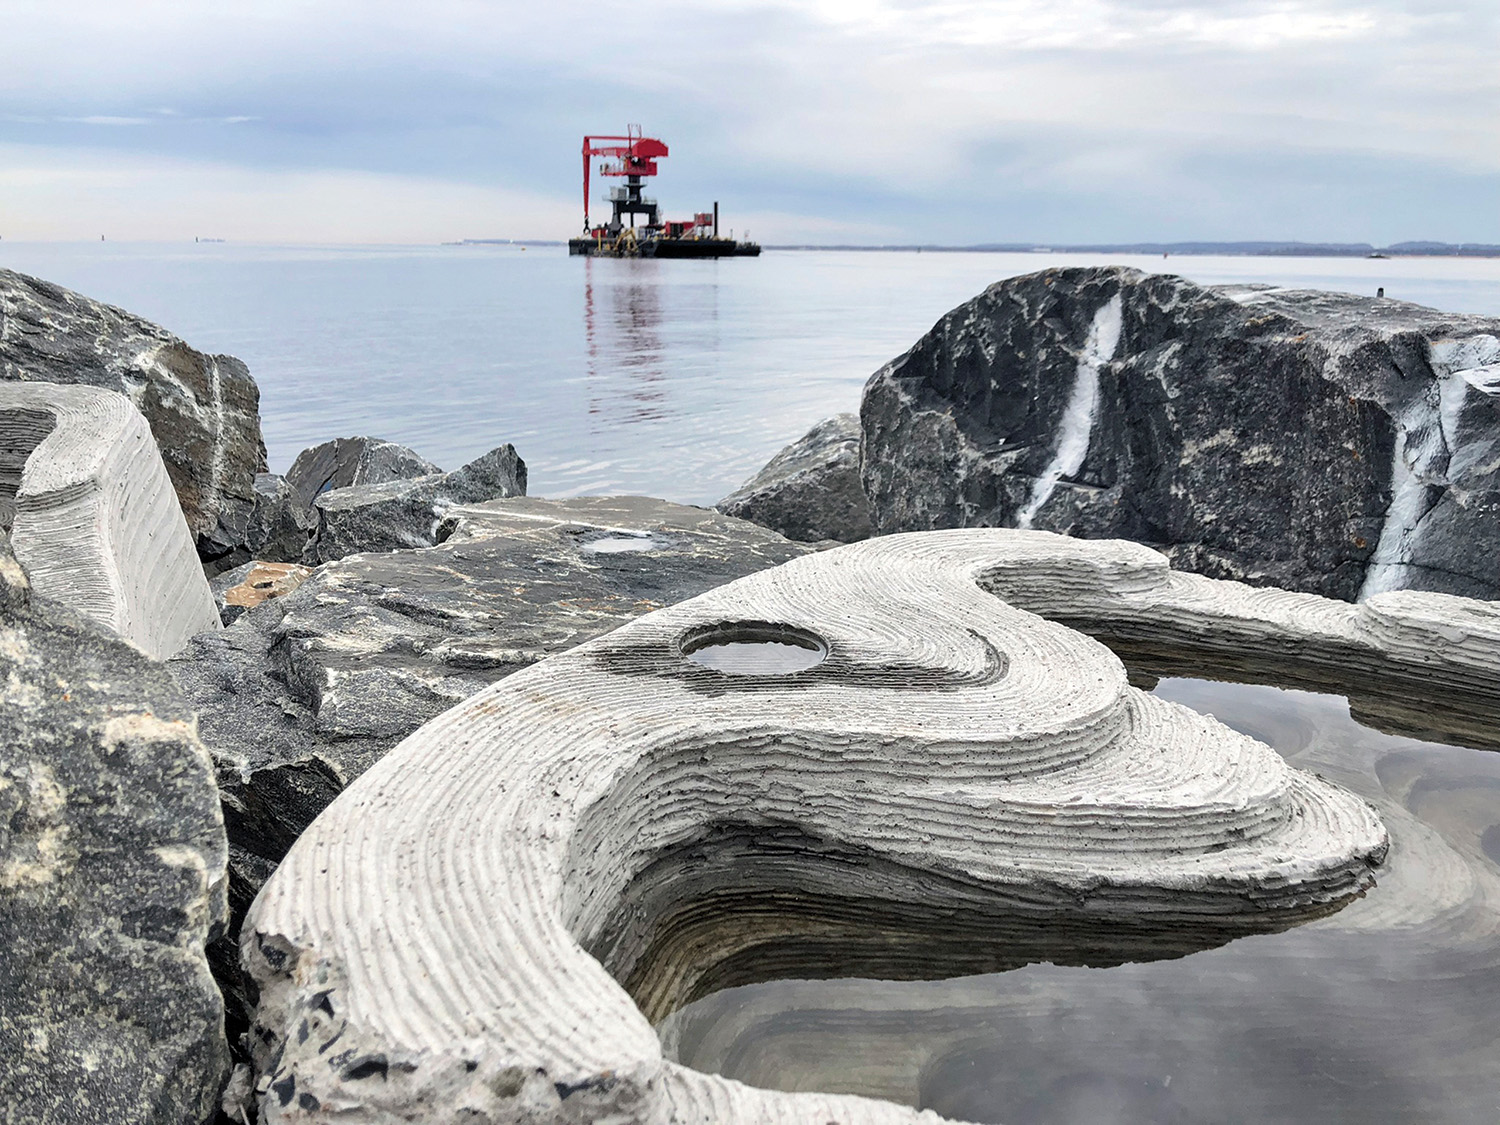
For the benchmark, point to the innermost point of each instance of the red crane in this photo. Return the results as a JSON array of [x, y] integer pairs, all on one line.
[[637, 156]]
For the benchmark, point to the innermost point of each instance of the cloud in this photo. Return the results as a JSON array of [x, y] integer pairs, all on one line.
[[105, 119], [1112, 118]]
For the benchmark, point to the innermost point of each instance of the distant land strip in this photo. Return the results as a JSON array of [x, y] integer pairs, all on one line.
[[1267, 249]]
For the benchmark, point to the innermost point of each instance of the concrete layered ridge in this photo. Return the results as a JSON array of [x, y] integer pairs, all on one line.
[[112, 861], [96, 522], [203, 409], [486, 925], [1321, 442]]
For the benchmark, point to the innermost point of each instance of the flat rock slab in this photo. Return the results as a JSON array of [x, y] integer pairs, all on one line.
[[112, 879], [810, 490], [1320, 442], [93, 517], [203, 409], [304, 693]]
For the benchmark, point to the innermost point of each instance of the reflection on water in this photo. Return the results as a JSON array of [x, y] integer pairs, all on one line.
[[626, 361], [1388, 1011]]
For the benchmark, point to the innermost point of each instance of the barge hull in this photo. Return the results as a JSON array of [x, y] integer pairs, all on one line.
[[665, 248]]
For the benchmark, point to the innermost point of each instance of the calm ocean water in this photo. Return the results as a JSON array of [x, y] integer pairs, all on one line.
[[675, 379]]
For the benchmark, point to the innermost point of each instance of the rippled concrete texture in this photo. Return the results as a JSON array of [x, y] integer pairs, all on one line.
[[93, 516], [1385, 1013], [485, 925]]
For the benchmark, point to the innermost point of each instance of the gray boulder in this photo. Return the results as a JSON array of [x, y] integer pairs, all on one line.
[[1315, 441], [305, 692], [343, 462], [810, 490], [112, 864], [280, 527], [399, 514], [203, 410]]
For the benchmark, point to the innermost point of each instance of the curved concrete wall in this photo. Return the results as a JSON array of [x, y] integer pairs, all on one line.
[[959, 785], [96, 522]]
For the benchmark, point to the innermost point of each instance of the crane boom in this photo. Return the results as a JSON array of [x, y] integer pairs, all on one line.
[[637, 156]]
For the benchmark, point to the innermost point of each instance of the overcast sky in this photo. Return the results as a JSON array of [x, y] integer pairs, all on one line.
[[951, 121]]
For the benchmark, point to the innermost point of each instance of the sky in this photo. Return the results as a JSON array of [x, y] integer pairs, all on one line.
[[813, 121]]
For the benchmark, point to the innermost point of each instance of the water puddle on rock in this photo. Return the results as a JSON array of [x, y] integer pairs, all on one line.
[[622, 544], [1386, 1012]]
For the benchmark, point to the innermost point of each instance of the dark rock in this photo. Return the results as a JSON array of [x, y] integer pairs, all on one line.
[[344, 462], [203, 409], [112, 864], [409, 513], [306, 692], [281, 524], [1321, 442], [810, 490]]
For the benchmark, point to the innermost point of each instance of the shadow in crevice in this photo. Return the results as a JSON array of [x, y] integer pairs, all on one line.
[[741, 904]]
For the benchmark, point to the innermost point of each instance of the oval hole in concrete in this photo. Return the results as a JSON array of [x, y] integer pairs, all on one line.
[[755, 648]]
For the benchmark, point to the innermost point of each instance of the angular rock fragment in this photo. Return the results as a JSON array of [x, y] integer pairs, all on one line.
[[343, 462], [93, 516], [1320, 442], [398, 514], [203, 409], [810, 490], [112, 878], [950, 785], [280, 527]]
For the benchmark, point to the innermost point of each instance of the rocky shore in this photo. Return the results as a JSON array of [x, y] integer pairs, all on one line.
[[378, 792]]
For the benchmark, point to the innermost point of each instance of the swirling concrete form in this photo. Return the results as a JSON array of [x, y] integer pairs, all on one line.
[[957, 786], [94, 518], [1411, 662]]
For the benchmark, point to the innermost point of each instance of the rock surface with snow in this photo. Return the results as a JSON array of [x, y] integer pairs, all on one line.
[[112, 879], [810, 490], [1320, 442], [203, 409]]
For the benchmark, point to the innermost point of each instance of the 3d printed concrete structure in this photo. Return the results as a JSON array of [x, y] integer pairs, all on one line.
[[948, 784], [93, 517]]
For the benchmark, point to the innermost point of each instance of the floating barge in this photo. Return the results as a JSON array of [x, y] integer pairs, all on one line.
[[633, 157]]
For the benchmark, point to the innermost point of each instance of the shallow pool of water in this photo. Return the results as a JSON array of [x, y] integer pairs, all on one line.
[[1388, 1011]]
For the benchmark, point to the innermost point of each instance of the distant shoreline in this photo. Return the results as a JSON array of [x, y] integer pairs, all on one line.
[[1202, 249]]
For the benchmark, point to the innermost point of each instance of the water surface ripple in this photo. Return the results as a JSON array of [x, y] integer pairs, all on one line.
[[674, 379]]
